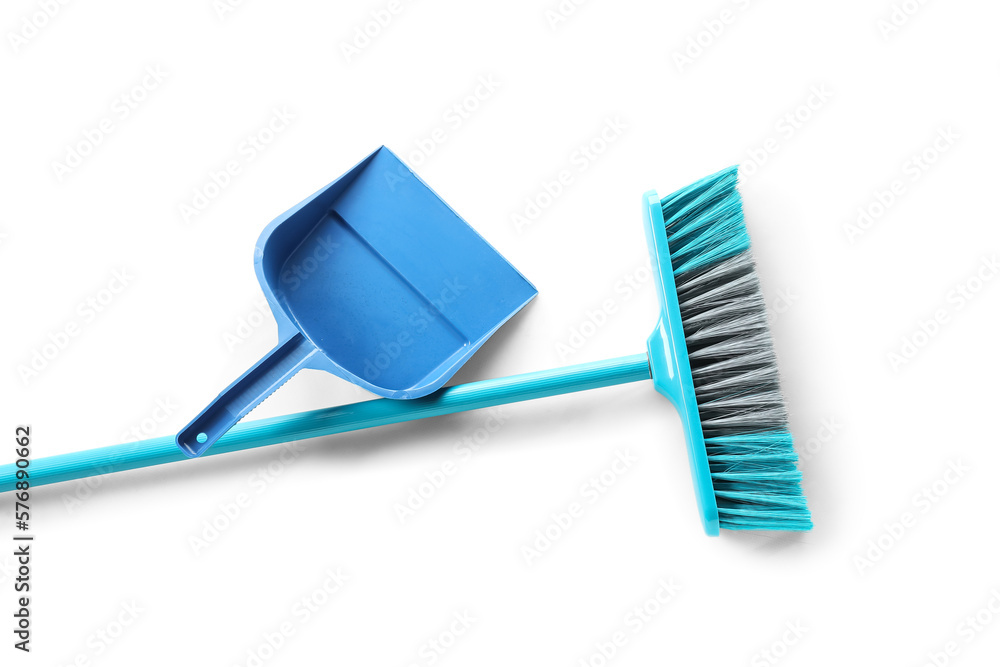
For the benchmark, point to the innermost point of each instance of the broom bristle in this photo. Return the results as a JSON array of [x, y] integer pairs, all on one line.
[[743, 418]]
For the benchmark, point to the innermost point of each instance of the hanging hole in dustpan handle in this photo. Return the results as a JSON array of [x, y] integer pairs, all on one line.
[[243, 395]]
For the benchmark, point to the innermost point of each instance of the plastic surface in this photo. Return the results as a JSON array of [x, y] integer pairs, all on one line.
[[669, 364], [666, 363], [340, 419], [376, 280]]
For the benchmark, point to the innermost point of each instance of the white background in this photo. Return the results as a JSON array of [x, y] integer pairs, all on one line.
[[874, 432]]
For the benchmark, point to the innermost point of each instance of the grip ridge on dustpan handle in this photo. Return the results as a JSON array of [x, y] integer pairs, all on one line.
[[340, 419], [263, 379]]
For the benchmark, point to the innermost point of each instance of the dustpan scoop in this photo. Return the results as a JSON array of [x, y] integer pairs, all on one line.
[[377, 280]]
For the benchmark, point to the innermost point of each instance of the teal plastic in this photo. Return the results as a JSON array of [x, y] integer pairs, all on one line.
[[376, 280], [669, 363], [666, 363], [317, 423]]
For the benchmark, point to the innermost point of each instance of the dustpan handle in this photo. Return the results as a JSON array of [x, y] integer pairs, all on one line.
[[340, 419], [263, 379]]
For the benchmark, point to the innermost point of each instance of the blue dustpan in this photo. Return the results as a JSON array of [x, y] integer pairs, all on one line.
[[376, 280]]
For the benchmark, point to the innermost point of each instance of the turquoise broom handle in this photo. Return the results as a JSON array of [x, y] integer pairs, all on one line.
[[316, 423]]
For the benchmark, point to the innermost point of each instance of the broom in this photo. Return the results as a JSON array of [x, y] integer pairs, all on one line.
[[710, 354]]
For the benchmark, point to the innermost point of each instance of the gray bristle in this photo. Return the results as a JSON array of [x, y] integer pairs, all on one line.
[[735, 371]]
